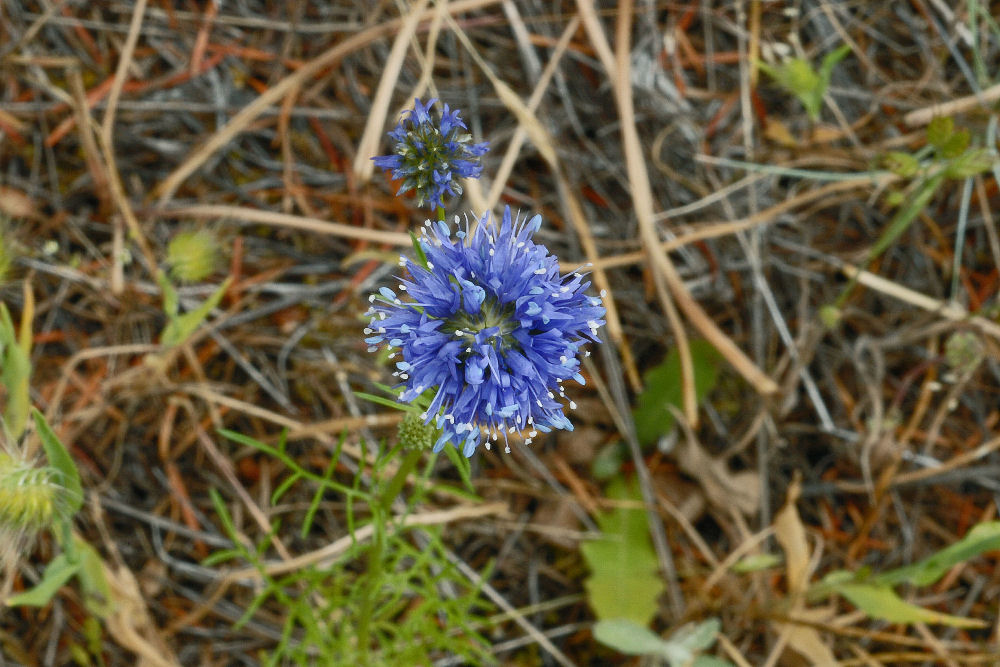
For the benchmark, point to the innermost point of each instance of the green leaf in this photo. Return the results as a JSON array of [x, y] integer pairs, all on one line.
[[757, 562], [697, 636], [956, 144], [902, 164], [16, 375], [971, 163], [905, 216], [881, 602], [419, 251], [381, 400], [982, 538], [681, 649], [608, 461], [939, 131], [93, 582], [59, 570], [624, 582], [628, 637], [180, 327], [830, 61], [663, 387], [60, 459]]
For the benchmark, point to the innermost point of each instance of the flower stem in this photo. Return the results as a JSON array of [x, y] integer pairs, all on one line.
[[381, 512], [395, 485], [440, 213]]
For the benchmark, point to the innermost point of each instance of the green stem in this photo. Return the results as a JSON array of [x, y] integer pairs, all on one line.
[[381, 509], [395, 485], [440, 213]]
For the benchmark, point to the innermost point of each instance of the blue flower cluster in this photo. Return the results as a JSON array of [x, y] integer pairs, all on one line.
[[430, 157], [489, 327]]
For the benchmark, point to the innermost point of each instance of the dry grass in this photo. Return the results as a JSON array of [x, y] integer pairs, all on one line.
[[629, 130]]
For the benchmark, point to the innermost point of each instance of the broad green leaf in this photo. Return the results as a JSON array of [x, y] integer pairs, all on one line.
[[628, 637], [59, 570], [939, 131], [982, 538], [881, 602], [697, 636], [180, 327], [663, 387], [60, 459], [956, 144], [624, 582]]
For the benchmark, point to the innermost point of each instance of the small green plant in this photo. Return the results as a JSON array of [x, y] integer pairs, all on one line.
[[392, 597], [624, 585], [798, 77], [875, 594], [34, 499], [37, 498], [180, 327], [948, 155]]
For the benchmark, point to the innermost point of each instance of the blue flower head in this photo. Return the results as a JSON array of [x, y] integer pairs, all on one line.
[[488, 327], [430, 157]]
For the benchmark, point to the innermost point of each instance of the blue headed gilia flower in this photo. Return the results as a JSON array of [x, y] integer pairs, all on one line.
[[490, 328], [429, 156]]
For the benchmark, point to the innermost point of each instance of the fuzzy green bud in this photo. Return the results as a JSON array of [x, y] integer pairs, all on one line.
[[830, 317], [415, 434], [193, 256], [32, 499], [963, 351]]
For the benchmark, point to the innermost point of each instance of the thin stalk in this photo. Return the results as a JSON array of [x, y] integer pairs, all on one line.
[[376, 556]]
